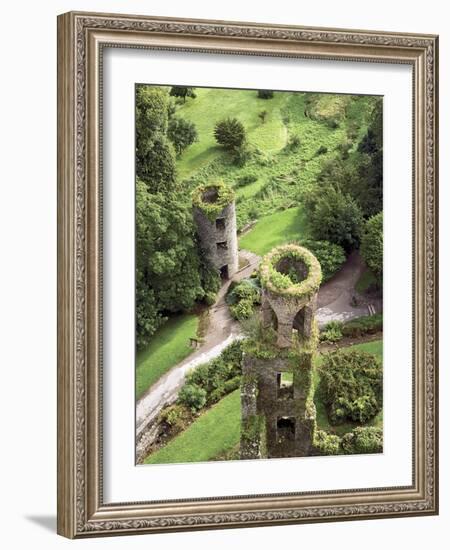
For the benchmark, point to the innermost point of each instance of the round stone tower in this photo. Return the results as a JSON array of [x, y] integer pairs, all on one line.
[[290, 278], [215, 217], [277, 391]]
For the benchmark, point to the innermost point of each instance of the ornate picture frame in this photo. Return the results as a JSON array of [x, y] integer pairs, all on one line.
[[82, 38]]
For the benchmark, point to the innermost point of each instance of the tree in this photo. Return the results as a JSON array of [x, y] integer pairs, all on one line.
[[167, 263], [230, 133], [181, 133], [331, 256], [265, 94], [335, 217], [372, 244], [155, 155], [182, 91]]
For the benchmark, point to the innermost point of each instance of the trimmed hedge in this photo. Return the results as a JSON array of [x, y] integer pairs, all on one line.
[[363, 325]]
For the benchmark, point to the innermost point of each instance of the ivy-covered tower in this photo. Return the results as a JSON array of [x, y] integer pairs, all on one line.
[[215, 217], [278, 413]]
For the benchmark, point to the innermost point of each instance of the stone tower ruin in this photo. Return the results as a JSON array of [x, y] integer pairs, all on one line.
[[215, 217], [278, 413]]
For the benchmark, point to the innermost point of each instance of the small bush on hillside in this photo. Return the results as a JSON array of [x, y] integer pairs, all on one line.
[[351, 385], [243, 297], [265, 94], [332, 332], [192, 396], [177, 417], [363, 440], [230, 133]]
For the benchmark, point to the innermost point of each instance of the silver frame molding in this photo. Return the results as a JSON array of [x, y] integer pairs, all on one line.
[[81, 38]]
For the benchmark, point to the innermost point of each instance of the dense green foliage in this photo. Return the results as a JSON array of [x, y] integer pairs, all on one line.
[[332, 332], [335, 217], [155, 155], [331, 256], [215, 379], [168, 347], [372, 244], [242, 298], [352, 385], [167, 261], [192, 396], [181, 133], [183, 92], [230, 133], [169, 273], [363, 440]]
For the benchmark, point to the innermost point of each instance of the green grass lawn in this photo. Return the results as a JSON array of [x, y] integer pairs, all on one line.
[[214, 432], [366, 280], [275, 229], [169, 346], [212, 105]]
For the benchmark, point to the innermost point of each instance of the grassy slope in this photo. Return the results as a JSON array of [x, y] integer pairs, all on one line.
[[217, 431], [275, 229], [214, 432], [212, 105], [169, 346]]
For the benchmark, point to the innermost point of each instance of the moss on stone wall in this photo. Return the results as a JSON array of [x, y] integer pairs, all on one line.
[[281, 283], [221, 196]]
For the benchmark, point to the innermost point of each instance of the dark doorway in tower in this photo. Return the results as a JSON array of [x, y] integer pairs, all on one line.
[[224, 272], [285, 429]]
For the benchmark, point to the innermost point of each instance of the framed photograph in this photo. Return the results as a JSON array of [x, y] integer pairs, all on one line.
[[247, 287]]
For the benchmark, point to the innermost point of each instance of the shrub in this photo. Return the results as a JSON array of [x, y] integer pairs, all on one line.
[[182, 92], [265, 94], [242, 298], [181, 133], [217, 377], [326, 444], [331, 256], [321, 150], [372, 244], [242, 310], [192, 396], [351, 385], [176, 416], [293, 143], [230, 133], [332, 332], [370, 324], [367, 439]]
